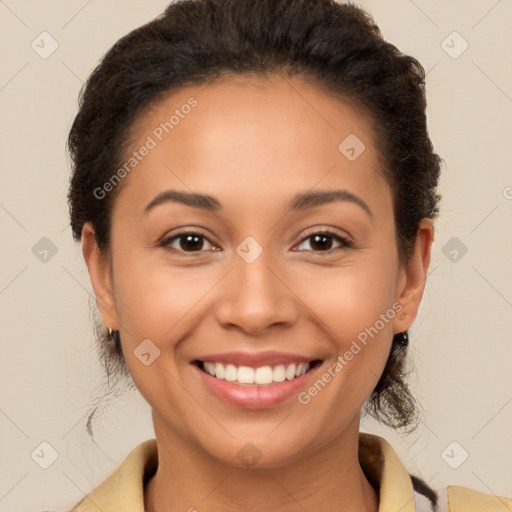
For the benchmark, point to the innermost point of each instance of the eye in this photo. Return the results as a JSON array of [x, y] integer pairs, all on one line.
[[195, 241], [322, 241], [187, 241]]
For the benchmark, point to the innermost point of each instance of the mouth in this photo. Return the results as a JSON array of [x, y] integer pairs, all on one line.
[[256, 376]]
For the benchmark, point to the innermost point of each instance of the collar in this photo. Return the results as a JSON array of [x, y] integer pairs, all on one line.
[[124, 488], [385, 471]]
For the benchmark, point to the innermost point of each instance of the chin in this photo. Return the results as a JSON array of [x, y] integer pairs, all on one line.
[[257, 452]]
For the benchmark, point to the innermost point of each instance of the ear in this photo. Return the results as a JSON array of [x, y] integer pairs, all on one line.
[[413, 277], [100, 275]]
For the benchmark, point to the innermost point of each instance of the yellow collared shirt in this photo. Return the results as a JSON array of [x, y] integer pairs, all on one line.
[[123, 490]]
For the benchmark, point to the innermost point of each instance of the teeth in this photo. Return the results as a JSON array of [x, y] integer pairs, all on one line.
[[290, 372], [219, 371], [245, 375], [301, 369], [262, 375], [279, 373], [210, 368]]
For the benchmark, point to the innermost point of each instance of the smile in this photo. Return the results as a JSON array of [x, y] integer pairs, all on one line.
[[255, 380], [261, 376]]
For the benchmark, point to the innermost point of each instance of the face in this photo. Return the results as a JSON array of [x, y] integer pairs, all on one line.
[[252, 241]]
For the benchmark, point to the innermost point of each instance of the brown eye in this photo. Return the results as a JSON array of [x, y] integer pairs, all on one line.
[[323, 241], [187, 241]]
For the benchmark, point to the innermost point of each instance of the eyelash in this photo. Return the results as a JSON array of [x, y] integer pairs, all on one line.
[[346, 243]]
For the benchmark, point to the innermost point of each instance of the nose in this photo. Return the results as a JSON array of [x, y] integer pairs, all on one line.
[[256, 297]]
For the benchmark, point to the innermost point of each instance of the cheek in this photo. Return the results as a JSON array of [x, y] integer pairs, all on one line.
[[352, 298], [157, 301], [163, 305], [356, 305]]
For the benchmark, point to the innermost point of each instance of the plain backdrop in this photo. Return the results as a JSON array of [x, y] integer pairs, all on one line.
[[461, 346]]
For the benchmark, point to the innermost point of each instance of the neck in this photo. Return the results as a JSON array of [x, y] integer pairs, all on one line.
[[330, 479]]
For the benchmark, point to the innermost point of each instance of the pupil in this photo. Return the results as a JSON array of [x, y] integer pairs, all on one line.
[[187, 244], [321, 244], [195, 242]]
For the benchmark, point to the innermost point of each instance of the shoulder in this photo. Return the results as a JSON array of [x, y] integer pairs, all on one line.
[[464, 499], [123, 489], [457, 498]]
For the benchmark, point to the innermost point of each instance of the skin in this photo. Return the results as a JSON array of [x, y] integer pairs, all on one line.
[[253, 143]]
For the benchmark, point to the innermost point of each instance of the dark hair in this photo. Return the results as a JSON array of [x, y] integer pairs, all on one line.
[[338, 47]]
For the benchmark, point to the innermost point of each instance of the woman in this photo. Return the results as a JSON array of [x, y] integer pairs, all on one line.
[[254, 189]]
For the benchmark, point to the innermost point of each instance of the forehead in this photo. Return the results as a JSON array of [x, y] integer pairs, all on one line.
[[256, 137]]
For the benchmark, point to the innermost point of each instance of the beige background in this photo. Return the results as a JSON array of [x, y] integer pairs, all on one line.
[[461, 343]]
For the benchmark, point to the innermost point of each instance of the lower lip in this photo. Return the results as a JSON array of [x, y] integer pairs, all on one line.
[[254, 397]]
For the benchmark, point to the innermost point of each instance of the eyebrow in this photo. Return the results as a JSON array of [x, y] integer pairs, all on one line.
[[300, 201]]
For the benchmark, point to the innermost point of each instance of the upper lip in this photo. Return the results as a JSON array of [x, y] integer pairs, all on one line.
[[256, 359]]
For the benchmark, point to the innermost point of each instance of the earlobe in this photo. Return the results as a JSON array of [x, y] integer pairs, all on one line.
[[100, 276], [415, 277]]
